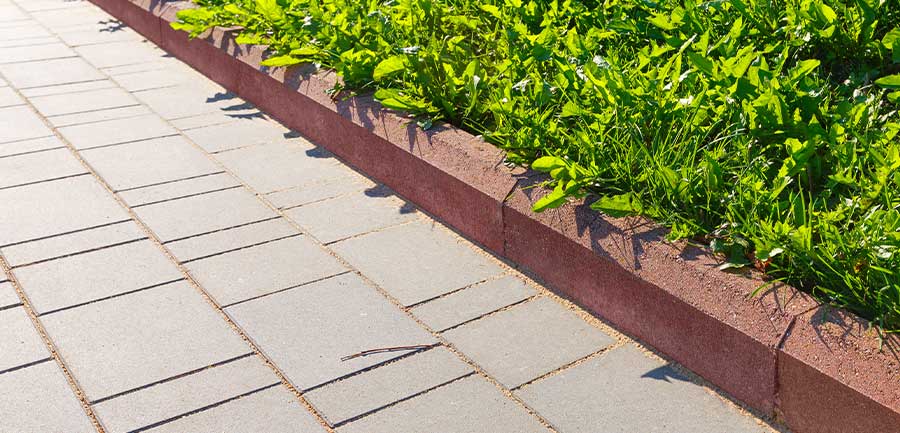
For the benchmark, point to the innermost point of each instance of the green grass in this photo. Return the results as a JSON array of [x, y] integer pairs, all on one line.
[[764, 129]]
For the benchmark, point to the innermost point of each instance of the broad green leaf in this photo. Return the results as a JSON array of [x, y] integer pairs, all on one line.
[[618, 206], [280, 61], [702, 63], [891, 38], [555, 199], [889, 82], [270, 9], [389, 67], [547, 163], [493, 10]]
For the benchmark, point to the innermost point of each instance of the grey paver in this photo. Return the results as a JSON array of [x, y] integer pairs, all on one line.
[[90, 35], [23, 31], [625, 391], [95, 275], [39, 166], [11, 14], [340, 316], [119, 53], [116, 131], [144, 80], [231, 239], [274, 410], [191, 99], [152, 335], [179, 189], [98, 116], [39, 399], [20, 343], [321, 190], [262, 269], [20, 123], [61, 18], [239, 133], [276, 166], [183, 395], [473, 302], [536, 338], [33, 145], [68, 103], [418, 261], [9, 98], [46, 73], [29, 42], [177, 219], [372, 390], [8, 297], [51, 208], [220, 117], [58, 89], [35, 52], [468, 405], [64, 245], [43, 5], [148, 162], [350, 215]]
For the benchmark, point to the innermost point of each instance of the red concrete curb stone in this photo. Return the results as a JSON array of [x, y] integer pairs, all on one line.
[[817, 369]]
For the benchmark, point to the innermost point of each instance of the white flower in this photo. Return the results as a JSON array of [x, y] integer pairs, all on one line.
[[521, 85], [475, 80], [686, 101], [580, 72], [307, 21], [601, 62], [504, 100], [410, 50]]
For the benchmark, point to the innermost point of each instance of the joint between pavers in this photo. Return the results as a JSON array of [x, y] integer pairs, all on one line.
[[167, 182], [78, 253], [106, 298], [43, 181], [197, 194], [491, 313], [286, 288], [219, 230], [103, 146], [281, 238], [31, 151], [371, 367], [28, 364]]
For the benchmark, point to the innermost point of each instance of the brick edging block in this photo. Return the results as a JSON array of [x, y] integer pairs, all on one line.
[[767, 352]]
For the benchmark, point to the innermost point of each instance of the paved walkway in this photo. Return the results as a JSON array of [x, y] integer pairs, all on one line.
[[175, 261]]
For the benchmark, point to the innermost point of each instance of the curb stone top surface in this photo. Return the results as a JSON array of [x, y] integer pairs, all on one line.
[[178, 261]]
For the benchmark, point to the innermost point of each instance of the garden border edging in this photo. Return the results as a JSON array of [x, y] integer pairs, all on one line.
[[817, 369]]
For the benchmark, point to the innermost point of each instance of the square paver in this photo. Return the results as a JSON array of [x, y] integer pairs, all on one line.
[[375, 389], [20, 123], [40, 389], [51, 208], [418, 261], [237, 133], [183, 395], [119, 53], [8, 296], [148, 162], [35, 52], [320, 190], [468, 405], [231, 239], [306, 331], [46, 73], [20, 343], [38, 167], [263, 269], [473, 302], [527, 341], [273, 410], [116, 131], [68, 244], [67, 103], [33, 145], [192, 99], [98, 116], [178, 189], [181, 218], [350, 215], [94, 275], [626, 391], [152, 335], [276, 166]]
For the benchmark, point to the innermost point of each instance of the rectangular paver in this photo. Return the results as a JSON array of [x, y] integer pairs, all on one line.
[[231, 239], [145, 80], [237, 133], [24, 30], [20, 123], [46, 73], [626, 391], [35, 52], [375, 389], [33, 145], [9, 98], [39, 399], [418, 261], [8, 296], [38, 167], [152, 335], [116, 131], [262, 269], [68, 103], [319, 190], [95, 275], [98, 116], [73, 87], [354, 214], [58, 19], [473, 302], [179, 189], [537, 337], [88, 35], [20, 343], [306, 331], [64, 245], [192, 99], [281, 165], [468, 405], [119, 53]]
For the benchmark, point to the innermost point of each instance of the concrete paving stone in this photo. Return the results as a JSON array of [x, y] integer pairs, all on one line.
[[219, 118], [11, 14], [68, 244], [61, 18], [144, 80], [52, 208], [527, 341], [20, 342], [8, 296], [306, 331], [263, 269], [240, 133], [152, 335], [46, 72], [9, 98], [94, 275], [93, 35], [193, 99], [57, 89], [38, 166], [177, 397], [35, 52], [26, 146], [321, 190], [20, 123], [626, 391], [29, 42], [23, 31], [116, 131], [178, 219], [40, 389], [473, 302], [277, 166], [43, 5], [161, 63], [98, 116], [371, 390], [231, 239], [68, 103], [274, 410], [119, 53], [469, 405], [354, 214], [148, 162], [417, 261], [178, 189]]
